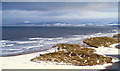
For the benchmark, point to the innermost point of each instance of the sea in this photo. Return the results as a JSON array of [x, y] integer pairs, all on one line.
[[17, 40]]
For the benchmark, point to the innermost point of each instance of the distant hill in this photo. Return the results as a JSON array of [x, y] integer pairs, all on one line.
[[64, 24], [115, 24]]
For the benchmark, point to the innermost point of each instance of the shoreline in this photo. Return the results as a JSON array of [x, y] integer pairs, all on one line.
[[24, 62], [98, 50], [23, 54]]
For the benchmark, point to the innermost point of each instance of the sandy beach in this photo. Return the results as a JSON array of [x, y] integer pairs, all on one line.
[[23, 62]]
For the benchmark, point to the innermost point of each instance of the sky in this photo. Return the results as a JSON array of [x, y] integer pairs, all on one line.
[[60, 0], [71, 12]]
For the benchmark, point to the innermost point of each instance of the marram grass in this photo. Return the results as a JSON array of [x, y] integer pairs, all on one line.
[[75, 55], [100, 41]]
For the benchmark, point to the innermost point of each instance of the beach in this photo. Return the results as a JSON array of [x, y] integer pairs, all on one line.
[[23, 62], [59, 35], [17, 53]]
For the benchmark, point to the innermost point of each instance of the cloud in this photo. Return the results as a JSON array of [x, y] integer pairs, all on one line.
[[60, 0], [63, 14], [27, 21], [94, 14], [50, 6], [108, 7], [46, 11]]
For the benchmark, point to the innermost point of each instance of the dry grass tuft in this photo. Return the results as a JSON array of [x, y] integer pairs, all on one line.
[[74, 54], [117, 36], [100, 41]]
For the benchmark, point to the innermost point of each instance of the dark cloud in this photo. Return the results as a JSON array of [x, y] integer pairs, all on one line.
[[16, 12], [48, 6]]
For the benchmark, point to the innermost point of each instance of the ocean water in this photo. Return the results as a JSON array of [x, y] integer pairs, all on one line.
[[22, 40]]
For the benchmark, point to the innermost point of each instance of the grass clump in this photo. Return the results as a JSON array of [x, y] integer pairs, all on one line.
[[100, 41], [117, 36], [74, 54]]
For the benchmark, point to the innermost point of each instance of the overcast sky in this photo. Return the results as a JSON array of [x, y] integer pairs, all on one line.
[[60, 0], [19, 12]]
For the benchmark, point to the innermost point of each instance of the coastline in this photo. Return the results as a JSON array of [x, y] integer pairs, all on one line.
[[23, 62], [22, 54], [60, 35]]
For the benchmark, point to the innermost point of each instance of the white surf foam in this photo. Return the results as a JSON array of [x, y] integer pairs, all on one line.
[[45, 43], [32, 47], [9, 45], [24, 42], [37, 38]]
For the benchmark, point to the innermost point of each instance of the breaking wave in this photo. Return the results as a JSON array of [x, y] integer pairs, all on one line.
[[37, 44]]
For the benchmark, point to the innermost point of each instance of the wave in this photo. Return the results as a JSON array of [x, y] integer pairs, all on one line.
[[38, 44], [10, 49], [32, 47], [24, 42], [37, 38], [10, 45]]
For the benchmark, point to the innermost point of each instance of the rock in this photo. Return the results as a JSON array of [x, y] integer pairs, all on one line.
[[100, 41], [118, 46], [75, 55]]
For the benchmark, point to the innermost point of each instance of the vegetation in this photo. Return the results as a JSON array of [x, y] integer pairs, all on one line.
[[74, 54], [117, 36], [100, 41]]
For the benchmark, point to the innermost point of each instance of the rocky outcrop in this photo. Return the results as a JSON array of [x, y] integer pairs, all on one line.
[[118, 46]]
